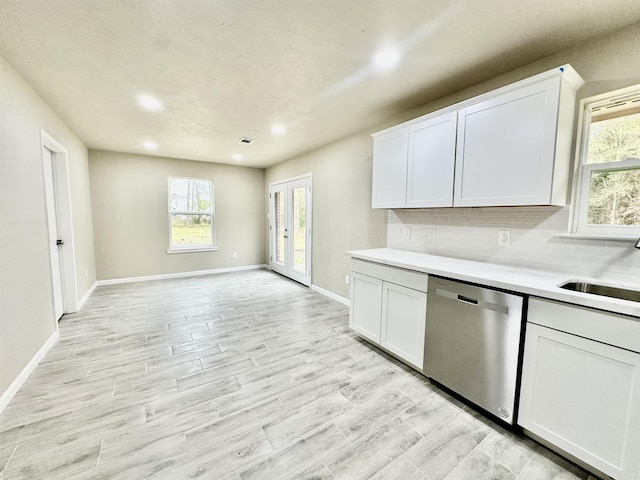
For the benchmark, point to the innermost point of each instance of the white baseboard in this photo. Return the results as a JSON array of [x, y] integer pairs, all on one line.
[[165, 276], [10, 392], [327, 293], [86, 296]]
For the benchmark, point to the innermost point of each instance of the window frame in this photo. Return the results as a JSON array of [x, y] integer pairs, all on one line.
[[198, 247], [582, 171]]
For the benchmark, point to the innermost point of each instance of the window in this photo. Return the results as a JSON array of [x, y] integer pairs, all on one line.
[[191, 215], [608, 178]]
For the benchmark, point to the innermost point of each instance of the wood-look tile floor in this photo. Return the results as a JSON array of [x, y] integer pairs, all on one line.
[[242, 376]]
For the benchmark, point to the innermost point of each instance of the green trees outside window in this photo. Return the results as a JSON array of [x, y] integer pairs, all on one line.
[[614, 195]]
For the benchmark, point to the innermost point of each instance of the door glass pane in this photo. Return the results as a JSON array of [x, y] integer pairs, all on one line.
[[299, 229], [279, 227]]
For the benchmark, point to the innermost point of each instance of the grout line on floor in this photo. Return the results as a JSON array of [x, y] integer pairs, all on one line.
[[334, 424], [328, 469], [524, 469], [417, 468], [9, 460], [100, 453]]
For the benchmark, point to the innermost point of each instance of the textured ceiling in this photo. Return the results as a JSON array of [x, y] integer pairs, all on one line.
[[227, 69]]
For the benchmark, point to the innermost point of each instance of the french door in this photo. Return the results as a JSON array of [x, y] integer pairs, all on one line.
[[290, 228]]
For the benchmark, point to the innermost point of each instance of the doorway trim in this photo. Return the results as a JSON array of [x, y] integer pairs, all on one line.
[[309, 224], [61, 185]]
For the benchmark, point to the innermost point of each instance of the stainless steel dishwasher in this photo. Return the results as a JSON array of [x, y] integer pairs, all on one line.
[[472, 343]]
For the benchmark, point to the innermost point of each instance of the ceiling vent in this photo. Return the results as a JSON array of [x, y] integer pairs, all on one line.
[[246, 140]]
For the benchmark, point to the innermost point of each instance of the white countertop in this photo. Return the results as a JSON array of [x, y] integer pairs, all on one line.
[[531, 282]]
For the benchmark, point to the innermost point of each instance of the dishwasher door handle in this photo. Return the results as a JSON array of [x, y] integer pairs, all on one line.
[[463, 299], [496, 307]]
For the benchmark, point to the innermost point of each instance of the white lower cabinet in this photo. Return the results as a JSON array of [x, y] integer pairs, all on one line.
[[581, 395], [389, 307], [364, 310], [403, 322]]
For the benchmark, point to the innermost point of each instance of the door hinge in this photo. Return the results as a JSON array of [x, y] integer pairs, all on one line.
[[271, 259]]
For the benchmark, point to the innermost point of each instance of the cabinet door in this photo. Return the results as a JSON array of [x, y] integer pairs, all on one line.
[[584, 397], [404, 315], [390, 169], [506, 148], [432, 154], [364, 310]]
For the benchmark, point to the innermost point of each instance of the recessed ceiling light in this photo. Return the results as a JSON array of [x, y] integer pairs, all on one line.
[[386, 58], [149, 102], [150, 145], [278, 129], [237, 157]]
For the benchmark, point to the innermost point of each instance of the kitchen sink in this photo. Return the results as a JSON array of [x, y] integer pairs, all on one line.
[[603, 290]]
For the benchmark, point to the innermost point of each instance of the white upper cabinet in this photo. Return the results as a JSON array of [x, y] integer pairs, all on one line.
[[390, 169], [507, 147], [431, 162], [413, 164]]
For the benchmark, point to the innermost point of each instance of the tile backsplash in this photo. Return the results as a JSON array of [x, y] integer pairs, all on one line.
[[472, 233]]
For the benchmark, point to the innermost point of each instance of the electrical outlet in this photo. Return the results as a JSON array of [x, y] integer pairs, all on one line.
[[407, 232], [504, 238], [347, 280], [234, 254]]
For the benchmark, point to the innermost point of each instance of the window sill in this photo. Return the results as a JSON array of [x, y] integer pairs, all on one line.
[[602, 238], [171, 251]]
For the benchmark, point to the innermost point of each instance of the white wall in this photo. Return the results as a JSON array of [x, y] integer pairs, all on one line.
[[472, 233], [129, 197], [26, 310], [342, 215]]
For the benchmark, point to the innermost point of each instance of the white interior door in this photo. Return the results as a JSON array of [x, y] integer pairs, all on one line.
[[54, 241], [290, 228]]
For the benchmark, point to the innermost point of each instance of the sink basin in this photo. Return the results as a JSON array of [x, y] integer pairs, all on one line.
[[603, 290]]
